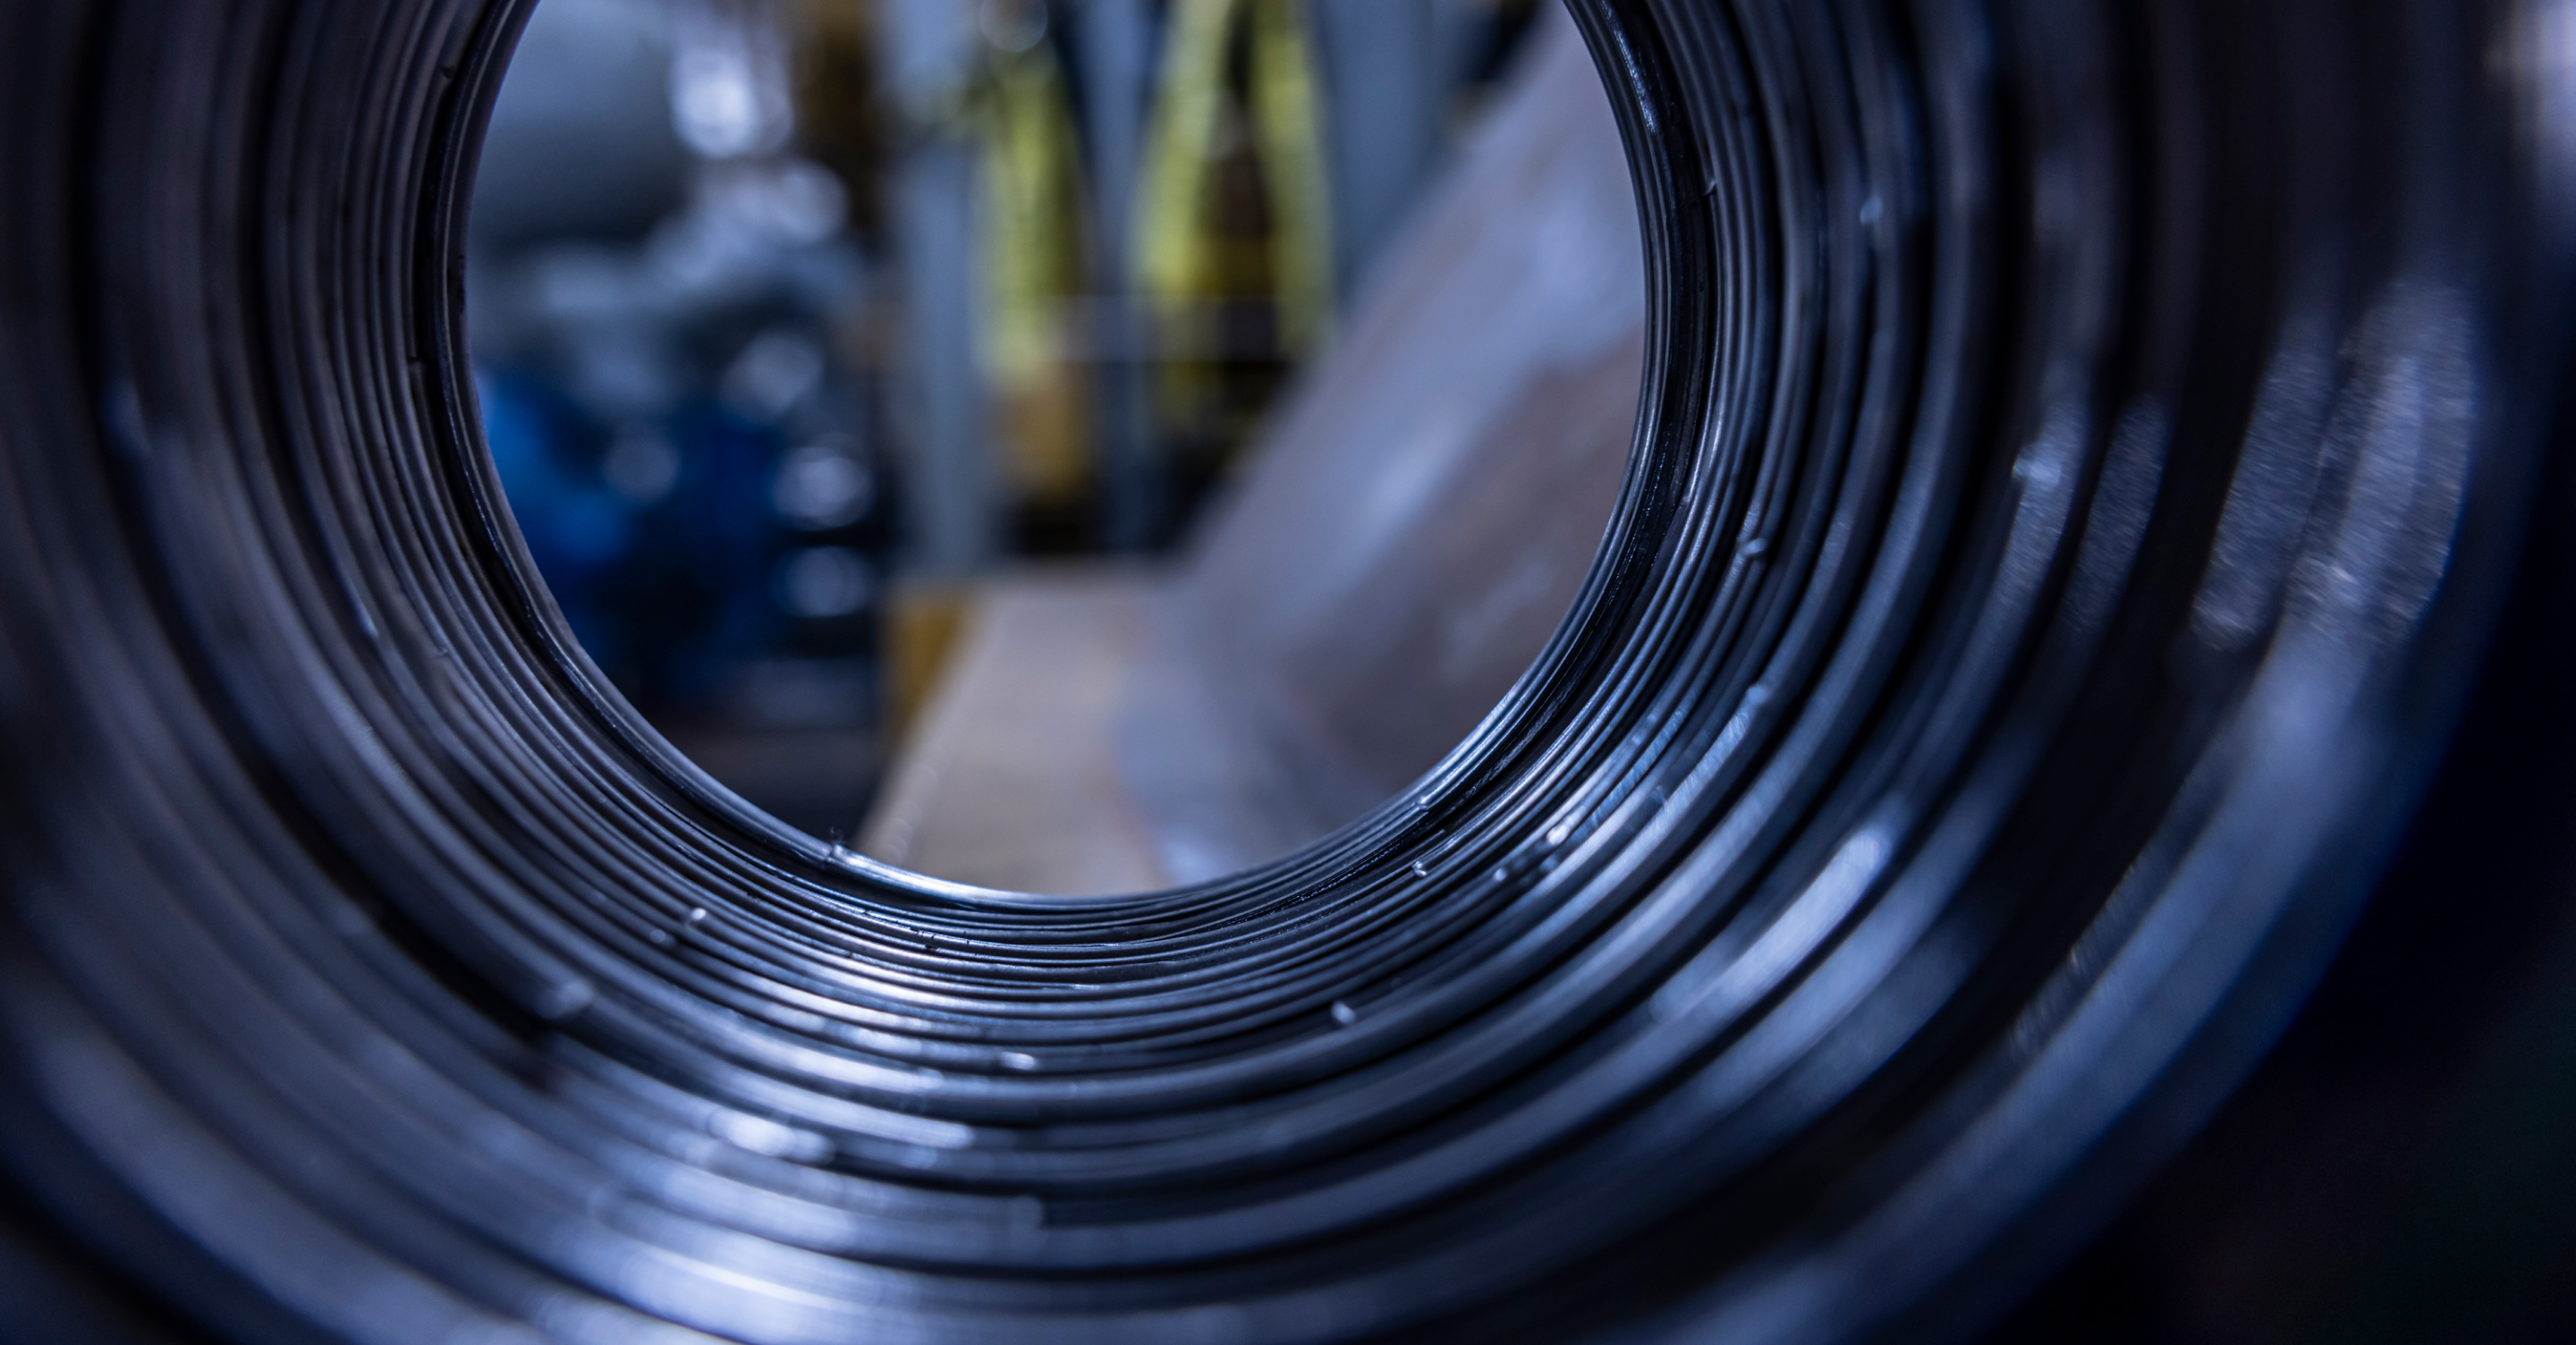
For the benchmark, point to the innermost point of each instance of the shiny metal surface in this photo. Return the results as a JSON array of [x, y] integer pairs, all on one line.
[[2084, 451]]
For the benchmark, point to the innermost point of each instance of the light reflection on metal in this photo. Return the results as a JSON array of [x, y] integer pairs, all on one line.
[[2059, 540]]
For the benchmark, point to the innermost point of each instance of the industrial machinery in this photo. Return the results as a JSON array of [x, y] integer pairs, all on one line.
[[2048, 815]]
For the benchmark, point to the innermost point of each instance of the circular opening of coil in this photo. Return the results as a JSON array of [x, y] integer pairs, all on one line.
[[908, 417]]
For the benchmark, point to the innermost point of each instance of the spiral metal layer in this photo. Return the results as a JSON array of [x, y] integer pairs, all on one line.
[[2084, 449]]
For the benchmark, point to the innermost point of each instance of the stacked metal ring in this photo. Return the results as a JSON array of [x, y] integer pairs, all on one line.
[[2084, 452]]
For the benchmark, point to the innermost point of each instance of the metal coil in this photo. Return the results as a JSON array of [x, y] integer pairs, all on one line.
[[2085, 450]]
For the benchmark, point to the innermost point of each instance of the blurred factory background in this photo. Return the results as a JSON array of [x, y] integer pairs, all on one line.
[[859, 373]]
